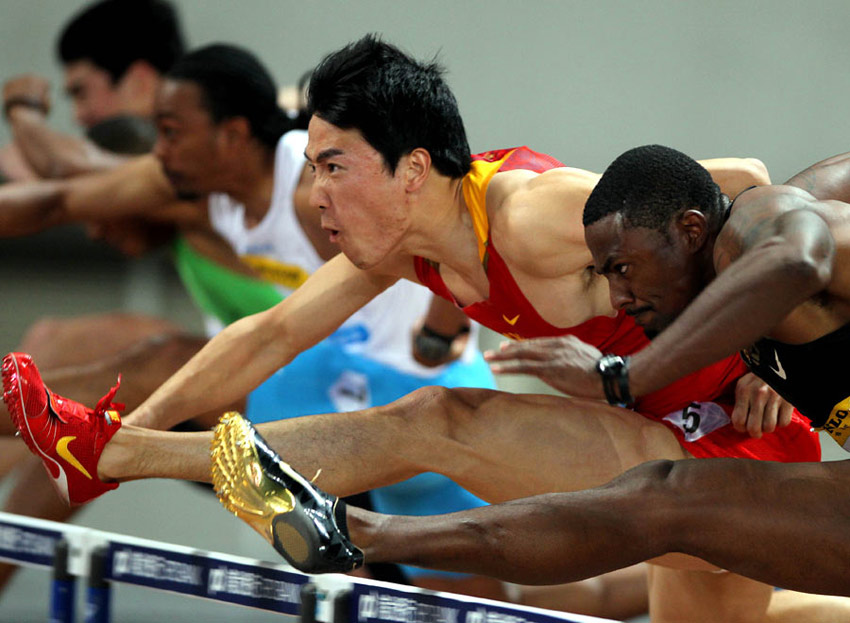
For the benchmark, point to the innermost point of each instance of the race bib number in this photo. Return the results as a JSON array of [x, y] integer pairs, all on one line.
[[699, 419], [837, 425]]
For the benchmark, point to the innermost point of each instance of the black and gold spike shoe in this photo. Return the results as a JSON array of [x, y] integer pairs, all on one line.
[[303, 523]]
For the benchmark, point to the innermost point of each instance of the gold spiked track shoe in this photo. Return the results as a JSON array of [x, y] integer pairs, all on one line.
[[303, 523]]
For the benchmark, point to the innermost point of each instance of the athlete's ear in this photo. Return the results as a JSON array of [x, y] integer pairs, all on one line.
[[692, 226], [140, 80], [235, 130], [417, 166]]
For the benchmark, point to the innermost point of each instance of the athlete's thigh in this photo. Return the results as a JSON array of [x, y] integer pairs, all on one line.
[[677, 596], [554, 443], [61, 342]]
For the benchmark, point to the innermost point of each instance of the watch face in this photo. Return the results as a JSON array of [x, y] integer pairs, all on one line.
[[610, 364]]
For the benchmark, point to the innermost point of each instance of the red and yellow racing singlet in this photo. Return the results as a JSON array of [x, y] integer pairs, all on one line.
[[508, 311]]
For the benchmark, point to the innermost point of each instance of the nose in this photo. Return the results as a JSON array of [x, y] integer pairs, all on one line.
[[621, 295], [159, 149], [318, 194]]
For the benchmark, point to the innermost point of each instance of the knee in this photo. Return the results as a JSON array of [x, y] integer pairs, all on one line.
[[439, 409], [432, 403], [655, 441], [655, 478]]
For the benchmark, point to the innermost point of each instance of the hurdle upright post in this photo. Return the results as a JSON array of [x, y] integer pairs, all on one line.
[[62, 587], [99, 589]]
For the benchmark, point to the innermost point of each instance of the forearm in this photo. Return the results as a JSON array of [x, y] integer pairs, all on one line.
[[231, 365], [734, 175], [444, 317], [740, 306], [443, 334], [54, 154], [31, 207]]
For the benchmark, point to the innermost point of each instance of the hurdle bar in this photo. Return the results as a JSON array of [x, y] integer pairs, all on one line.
[[104, 558]]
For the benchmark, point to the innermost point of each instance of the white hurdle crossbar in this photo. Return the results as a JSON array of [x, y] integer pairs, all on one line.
[[104, 557]]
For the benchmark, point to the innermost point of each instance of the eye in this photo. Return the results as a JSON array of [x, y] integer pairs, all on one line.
[[167, 131], [621, 269], [332, 167], [312, 168]]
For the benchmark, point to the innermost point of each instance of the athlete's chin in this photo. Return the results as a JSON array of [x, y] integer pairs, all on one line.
[[360, 260], [655, 326], [360, 257]]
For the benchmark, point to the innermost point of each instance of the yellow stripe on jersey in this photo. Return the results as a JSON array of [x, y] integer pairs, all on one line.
[[287, 275], [475, 194]]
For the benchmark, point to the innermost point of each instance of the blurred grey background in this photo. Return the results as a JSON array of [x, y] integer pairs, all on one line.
[[582, 81]]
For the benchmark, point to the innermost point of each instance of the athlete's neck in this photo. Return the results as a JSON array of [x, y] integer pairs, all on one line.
[[252, 184], [443, 227]]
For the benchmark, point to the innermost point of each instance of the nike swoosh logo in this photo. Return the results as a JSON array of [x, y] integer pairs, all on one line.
[[510, 321], [63, 451], [780, 372]]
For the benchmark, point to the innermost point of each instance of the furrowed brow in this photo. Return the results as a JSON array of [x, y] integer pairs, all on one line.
[[325, 154]]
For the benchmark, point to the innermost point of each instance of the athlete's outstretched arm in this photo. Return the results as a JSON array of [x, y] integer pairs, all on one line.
[[783, 252], [50, 153], [248, 351], [779, 523], [53, 154], [136, 188]]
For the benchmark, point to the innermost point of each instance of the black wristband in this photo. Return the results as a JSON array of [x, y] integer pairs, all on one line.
[[23, 100], [434, 345], [615, 379]]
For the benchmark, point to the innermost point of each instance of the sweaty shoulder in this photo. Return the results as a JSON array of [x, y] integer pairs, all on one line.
[[536, 219]]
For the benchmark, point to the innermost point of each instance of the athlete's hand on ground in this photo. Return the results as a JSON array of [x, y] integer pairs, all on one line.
[[27, 89], [566, 363], [758, 408]]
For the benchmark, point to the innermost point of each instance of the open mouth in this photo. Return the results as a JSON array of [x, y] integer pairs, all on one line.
[[332, 233]]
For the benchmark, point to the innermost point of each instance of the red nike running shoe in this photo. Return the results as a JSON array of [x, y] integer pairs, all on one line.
[[67, 436]]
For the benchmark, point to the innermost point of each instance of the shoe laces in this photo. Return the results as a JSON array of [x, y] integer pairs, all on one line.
[[105, 404]]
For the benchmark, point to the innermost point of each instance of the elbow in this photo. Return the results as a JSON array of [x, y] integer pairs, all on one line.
[[758, 171], [811, 272]]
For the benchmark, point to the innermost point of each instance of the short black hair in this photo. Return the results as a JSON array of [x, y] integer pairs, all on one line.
[[649, 185], [234, 83], [397, 103], [114, 34]]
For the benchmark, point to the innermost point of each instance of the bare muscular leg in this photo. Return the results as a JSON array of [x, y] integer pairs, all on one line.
[[500, 446], [82, 357], [775, 522], [618, 595]]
